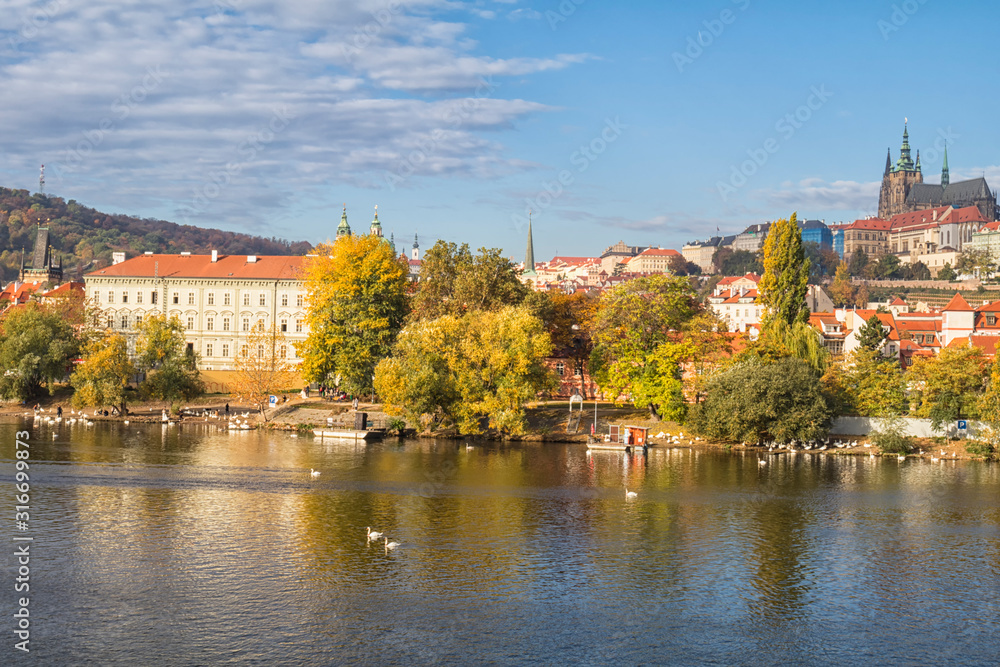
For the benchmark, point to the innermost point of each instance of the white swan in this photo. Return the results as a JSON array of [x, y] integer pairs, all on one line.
[[373, 534], [762, 462], [900, 458], [389, 546], [630, 494], [314, 473]]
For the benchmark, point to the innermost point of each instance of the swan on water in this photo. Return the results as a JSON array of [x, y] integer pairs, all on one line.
[[389, 546], [373, 534], [630, 494], [314, 473]]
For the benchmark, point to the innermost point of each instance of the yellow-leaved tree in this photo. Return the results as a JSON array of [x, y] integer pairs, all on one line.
[[262, 367], [103, 377], [357, 292]]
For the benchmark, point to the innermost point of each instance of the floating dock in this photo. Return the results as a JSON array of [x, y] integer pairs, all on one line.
[[347, 435]]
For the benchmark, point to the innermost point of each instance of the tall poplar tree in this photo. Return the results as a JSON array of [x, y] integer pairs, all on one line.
[[785, 282]]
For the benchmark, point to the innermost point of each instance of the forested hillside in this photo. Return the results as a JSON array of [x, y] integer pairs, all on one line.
[[85, 238]]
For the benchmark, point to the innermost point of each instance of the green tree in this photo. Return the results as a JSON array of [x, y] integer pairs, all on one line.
[[946, 273], [859, 261], [729, 262], [757, 402], [440, 268], [103, 377], [36, 350], [887, 267], [875, 384], [974, 261], [357, 298], [949, 386], [841, 289], [871, 334], [916, 271], [989, 415], [681, 267], [171, 367], [485, 365], [785, 282], [637, 345]]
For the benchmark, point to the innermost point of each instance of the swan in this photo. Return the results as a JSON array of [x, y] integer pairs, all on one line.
[[373, 534], [630, 494], [762, 462], [314, 473], [901, 458], [389, 546]]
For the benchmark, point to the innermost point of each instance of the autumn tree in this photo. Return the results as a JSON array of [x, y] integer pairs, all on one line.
[[637, 346], [874, 383], [103, 377], [841, 289], [976, 261], [453, 281], [785, 282], [483, 366], [949, 386], [262, 367], [171, 367], [357, 298], [569, 323], [989, 415], [36, 350]]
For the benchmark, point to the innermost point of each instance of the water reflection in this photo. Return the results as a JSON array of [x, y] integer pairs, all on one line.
[[197, 546]]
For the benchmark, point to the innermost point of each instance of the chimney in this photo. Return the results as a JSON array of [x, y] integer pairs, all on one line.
[[934, 214], [251, 259], [215, 256]]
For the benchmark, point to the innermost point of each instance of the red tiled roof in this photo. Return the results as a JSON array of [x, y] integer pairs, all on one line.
[[898, 302], [989, 307], [966, 214], [731, 279], [916, 219], [958, 303], [874, 224], [273, 267], [990, 227]]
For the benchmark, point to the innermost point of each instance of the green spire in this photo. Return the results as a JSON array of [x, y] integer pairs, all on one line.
[[376, 228], [917, 166], [392, 243], [904, 163], [945, 176], [343, 229], [529, 255]]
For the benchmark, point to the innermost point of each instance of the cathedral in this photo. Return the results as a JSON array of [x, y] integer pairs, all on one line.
[[904, 191]]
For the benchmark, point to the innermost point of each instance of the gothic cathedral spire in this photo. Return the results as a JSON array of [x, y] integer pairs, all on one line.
[[888, 161], [529, 255], [945, 176]]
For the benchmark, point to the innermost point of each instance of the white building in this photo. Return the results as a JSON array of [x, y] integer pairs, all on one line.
[[218, 299]]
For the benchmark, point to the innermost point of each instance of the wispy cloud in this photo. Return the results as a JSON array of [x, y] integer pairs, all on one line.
[[816, 194]]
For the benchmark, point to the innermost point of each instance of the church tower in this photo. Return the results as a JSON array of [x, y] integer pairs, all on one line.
[[945, 176], [416, 249], [376, 228], [897, 180], [343, 229], [529, 255]]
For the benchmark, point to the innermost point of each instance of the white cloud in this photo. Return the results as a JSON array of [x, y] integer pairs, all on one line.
[[814, 194]]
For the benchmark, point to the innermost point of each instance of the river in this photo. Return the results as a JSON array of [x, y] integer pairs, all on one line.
[[188, 545]]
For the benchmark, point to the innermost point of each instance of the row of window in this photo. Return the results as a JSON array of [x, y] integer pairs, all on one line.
[[209, 323], [244, 351], [210, 298], [561, 370]]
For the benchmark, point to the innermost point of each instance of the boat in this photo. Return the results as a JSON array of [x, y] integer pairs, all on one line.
[[623, 438]]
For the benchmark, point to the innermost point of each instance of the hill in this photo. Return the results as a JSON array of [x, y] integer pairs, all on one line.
[[85, 238]]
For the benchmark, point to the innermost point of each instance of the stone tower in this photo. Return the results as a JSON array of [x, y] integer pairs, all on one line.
[[529, 255], [897, 180]]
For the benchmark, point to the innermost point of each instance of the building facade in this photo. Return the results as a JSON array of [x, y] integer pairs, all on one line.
[[217, 298]]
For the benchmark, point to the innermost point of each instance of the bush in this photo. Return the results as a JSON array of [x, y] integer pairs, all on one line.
[[758, 402], [396, 425], [981, 449], [889, 438]]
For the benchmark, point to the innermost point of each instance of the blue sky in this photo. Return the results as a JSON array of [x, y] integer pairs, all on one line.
[[651, 122]]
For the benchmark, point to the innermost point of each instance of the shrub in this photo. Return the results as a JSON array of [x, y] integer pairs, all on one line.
[[396, 425], [981, 449]]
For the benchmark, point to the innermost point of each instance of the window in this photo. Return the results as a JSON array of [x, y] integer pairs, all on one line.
[[124, 297], [260, 324], [260, 351], [190, 323], [208, 349], [211, 298], [138, 320], [560, 369], [124, 321], [177, 298], [991, 320], [246, 324], [111, 322], [246, 299], [284, 299], [284, 325], [225, 350], [263, 299], [298, 300], [111, 296], [578, 370], [298, 326], [209, 323], [138, 297], [243, 351], [152, 297], [284, 351], [190, 298], [225, 324], [225, 299]]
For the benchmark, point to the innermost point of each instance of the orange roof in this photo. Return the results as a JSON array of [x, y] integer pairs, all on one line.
[[898, 302], [990, 227], [19, 292], [958, 303], [273, 267], [985, 343], [875, 224], [658, 252], [966, 214], [913, 219], [65, 288], [731, 279], [988, 307]]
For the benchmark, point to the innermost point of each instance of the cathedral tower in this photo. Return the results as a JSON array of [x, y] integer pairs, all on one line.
[[897, 180]]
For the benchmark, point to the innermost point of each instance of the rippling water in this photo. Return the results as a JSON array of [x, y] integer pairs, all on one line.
[[184, 546]]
